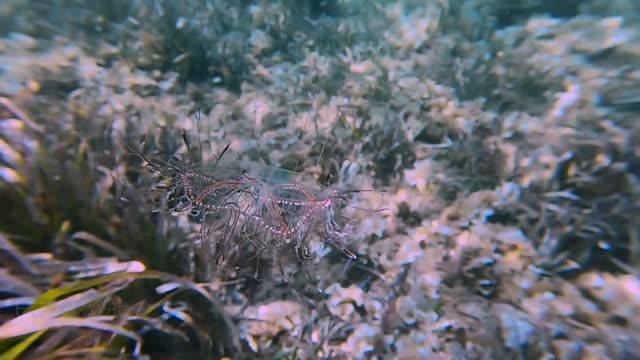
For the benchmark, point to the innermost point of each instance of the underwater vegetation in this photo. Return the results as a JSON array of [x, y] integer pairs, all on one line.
[[355, 179]]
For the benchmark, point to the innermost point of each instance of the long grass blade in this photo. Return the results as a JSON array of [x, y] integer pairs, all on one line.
[[40, 319]]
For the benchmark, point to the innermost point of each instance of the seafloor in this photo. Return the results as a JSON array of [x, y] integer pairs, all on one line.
[[499, 141]]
